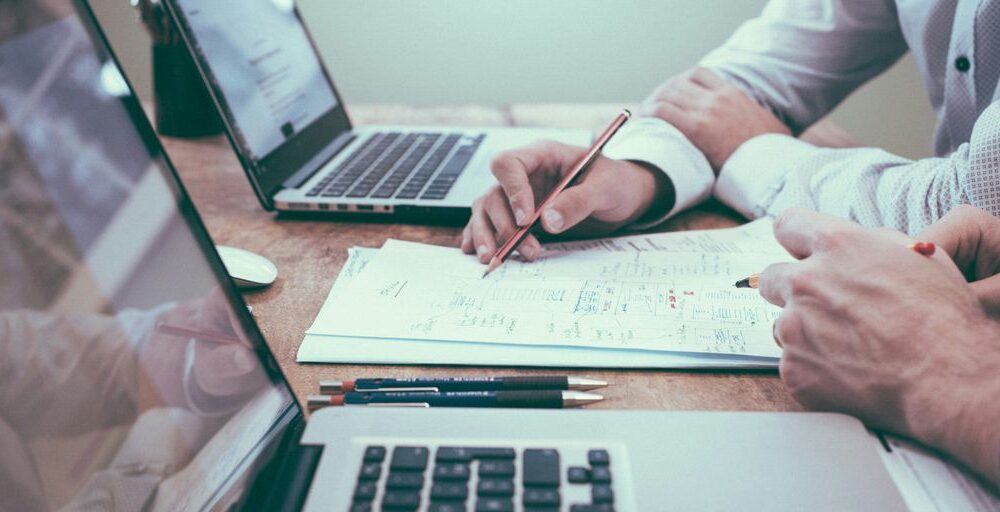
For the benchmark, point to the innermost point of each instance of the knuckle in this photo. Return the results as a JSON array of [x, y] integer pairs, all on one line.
[[832, 238], [801, 283]]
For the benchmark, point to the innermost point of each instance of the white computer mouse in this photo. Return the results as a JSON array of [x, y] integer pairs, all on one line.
[[247, 269]]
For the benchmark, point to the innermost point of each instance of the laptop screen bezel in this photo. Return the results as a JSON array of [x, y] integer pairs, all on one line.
[[268, 173], [293, 413]]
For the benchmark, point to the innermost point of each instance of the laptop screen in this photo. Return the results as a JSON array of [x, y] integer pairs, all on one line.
[[267, 78], [131, 375]]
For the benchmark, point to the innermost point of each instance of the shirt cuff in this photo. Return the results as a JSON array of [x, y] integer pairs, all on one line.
[[655, 142], [756, 172]]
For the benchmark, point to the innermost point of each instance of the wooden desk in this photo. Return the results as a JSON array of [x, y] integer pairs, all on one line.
[[309, 255]]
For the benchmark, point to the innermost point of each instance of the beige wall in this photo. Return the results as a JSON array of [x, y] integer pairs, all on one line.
[[493, 52]]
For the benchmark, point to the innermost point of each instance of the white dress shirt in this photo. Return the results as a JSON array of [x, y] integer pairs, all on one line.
[[800, 58]]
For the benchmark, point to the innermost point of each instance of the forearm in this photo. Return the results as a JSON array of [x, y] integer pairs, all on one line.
[[59, 362], [682, 175], [800, 58], [772, 173], [959, 412]]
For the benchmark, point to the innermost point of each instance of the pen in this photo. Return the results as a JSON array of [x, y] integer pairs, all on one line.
[[923, 248], [548, 398], [462, 384], [581, 165]]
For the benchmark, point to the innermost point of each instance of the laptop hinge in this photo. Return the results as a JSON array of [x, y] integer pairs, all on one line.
[[284, 483], [317, 162]]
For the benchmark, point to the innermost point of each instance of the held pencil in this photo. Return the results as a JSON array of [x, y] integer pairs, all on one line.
[[578, 168], [922, 248]]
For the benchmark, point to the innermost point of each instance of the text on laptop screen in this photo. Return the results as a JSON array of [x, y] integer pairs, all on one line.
[[262, 62], [130, 379]]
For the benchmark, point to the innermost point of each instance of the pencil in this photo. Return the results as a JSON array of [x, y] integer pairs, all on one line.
[[923, 248], [183, 332], [578, 168]]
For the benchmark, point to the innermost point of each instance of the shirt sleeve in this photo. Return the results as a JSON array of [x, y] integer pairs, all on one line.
[[800, 58], [773, 172], [654, 142]]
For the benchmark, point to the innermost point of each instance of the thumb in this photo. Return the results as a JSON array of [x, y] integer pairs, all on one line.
[[570, 207]]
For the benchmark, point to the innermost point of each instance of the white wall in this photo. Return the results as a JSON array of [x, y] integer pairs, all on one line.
[[433, 52]]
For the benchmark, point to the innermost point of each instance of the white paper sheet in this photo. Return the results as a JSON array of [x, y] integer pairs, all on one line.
[[334, 349], [665, 292], [674, 285]]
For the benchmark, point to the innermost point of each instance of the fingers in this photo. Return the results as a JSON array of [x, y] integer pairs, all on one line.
[[483, 241], [988, 292], [803, 232], [492, 223], [513, 168], [775, 283], [962, 234], [788, 330], [707, 78], [571, 207]]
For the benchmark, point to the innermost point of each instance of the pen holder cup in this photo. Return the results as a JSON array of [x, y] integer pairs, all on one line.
[[183, 105]]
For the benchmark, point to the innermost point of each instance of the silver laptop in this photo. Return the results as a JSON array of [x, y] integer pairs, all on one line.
[[291, 130], [136, 379]]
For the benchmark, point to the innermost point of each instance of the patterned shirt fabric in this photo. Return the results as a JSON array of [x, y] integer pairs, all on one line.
[[800, 58]]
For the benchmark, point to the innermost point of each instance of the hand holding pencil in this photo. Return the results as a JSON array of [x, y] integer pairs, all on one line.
[[611, 194]]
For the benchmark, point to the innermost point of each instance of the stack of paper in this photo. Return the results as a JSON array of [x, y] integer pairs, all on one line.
[[665, 300]]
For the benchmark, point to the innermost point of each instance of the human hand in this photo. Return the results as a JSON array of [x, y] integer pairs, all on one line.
[[610, 194], [713, 114], [875, 330], [972, 238], [185, 370]]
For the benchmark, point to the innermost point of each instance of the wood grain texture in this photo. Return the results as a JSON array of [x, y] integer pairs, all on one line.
[[309, 255]]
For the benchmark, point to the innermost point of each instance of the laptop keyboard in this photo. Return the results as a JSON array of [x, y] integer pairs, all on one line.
[[481, 479], [404, 166]]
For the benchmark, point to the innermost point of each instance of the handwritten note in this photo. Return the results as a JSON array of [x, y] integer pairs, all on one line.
[[670, 292]]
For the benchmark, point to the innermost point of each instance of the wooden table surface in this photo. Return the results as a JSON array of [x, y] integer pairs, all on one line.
[[309, 255]]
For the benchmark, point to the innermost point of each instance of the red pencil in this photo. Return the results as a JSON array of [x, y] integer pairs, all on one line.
[[581, 165]]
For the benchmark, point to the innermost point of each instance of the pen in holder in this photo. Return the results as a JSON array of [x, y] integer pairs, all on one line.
[[182, 103]]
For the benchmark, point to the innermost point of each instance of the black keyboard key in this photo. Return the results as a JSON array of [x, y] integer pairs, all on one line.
[[601, 494], [434, 195], [361, 506], [578, 475], [488, 468], [495, 487], [374, 454], [405, 480], [540, 498], [466, 454], [587, 507], [448, 491], [365, 491], [404, 500], [495, 505], [541, 468], [446, 506], [408, 458], [600, 475], [598, 457], [451, 471], [370, 471]]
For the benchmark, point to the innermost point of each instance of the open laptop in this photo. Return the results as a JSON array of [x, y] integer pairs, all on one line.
[[134, 377], [291, 131]]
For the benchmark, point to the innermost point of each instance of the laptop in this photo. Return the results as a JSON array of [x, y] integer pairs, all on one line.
[[290, 128], [135, 378]]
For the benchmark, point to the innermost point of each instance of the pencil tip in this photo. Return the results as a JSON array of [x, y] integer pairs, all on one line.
[[743, 283], [494, 263]]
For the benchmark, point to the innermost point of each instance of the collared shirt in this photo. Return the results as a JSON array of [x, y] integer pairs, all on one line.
[[800, 58]]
